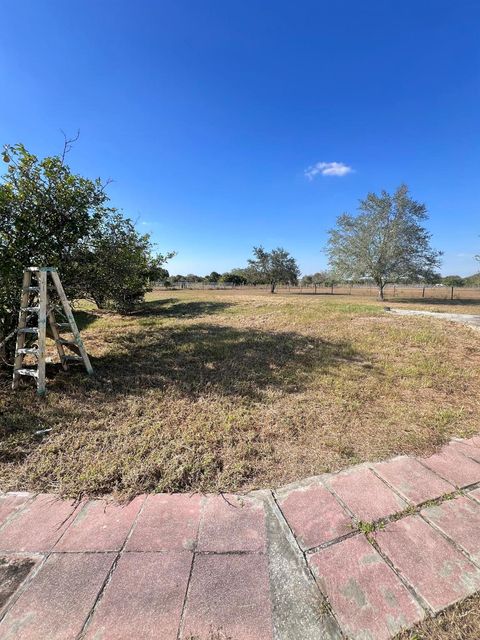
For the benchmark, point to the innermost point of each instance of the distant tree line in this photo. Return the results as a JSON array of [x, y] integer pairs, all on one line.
[[385, 243], [265, 267]]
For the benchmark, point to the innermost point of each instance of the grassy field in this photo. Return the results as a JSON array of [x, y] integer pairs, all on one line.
[[460, 622], [231, 391]]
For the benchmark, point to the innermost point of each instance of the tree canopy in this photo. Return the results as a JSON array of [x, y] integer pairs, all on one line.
[[320, 277], [453, 281], [274, 267], [386, 241], [50, 216]]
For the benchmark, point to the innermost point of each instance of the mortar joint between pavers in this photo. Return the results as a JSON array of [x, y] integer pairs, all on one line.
[[303, 555], [367, 527], [25, 584], [109, 576], [469, 495], [181, 622], [387, 484], [283, 520], [451, 541], [330, 543], [344, 506], [406, 583], [44, 556], [239, 552], [12, 516], [465, 487], [72, 520], [195, 552]]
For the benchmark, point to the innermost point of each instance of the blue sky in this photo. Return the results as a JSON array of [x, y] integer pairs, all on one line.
[[208, 114]]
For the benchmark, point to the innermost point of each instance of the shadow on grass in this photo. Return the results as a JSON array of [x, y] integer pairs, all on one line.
[[166, 308], [83, 318], [99, 443], [175, 308], [204, 359]]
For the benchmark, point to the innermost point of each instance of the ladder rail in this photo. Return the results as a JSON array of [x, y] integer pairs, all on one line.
[[22, 323], [42, 331], [70, 317]]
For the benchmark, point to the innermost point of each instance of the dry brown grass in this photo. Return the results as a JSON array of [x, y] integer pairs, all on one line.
[[461, 622], [224, 390]]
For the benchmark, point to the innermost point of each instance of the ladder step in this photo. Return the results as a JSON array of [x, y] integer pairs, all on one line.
[[30, 309], [68, 343], [28, 330], [27, 372], [28, 351], [73, 358], [63, 327], [34, 289]]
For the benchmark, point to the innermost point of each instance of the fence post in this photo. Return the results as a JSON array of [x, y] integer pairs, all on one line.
[[451, 295], [423, 292], [394, 289], [332, 290], [315, 288]]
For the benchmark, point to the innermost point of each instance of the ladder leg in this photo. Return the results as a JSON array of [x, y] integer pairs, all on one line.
[[56, 336], [73, 325], [42, 331], [22, 321]]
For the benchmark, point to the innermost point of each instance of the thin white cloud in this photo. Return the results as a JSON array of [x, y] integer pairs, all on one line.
[[327, 169]]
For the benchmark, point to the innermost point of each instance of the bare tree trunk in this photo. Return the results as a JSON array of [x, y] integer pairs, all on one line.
[[272, 287], [380, 291]]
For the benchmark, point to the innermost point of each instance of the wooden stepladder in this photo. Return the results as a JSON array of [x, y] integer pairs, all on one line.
[[35, 304]]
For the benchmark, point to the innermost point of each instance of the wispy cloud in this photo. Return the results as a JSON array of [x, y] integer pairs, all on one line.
[[327, 169]]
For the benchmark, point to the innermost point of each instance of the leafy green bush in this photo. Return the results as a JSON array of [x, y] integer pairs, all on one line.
[[50, 216]]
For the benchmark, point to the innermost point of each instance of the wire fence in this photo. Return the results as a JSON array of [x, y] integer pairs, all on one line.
[[438, 292]]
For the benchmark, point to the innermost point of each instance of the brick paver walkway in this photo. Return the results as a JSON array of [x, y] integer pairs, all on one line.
[[358, 554]]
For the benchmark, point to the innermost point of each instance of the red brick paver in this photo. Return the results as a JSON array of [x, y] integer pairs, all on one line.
[[475, 440], [366, 495], [475, 494], [38, 526], [179, 567], [232, 523], [314, 516], [58, 600], [144, 599], [100, 526], [438, 572], [229, 593], [368, 598], [11, 502], [459, 519], [454, 467], [167, 522], [412, 480], [469, 449]]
